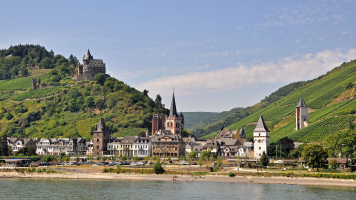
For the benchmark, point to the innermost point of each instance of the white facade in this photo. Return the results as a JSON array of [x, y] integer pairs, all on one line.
[[261, 137], [142, 147]]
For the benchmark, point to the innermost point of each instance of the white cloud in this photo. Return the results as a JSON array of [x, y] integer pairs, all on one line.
[[285, 70]]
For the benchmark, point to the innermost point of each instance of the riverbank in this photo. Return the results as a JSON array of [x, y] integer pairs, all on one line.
[[185, 178]]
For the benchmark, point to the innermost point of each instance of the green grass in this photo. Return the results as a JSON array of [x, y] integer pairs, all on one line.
[[20, 83], [35, 94]]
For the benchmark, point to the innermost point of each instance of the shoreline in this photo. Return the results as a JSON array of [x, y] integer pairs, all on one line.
[[182, 178]]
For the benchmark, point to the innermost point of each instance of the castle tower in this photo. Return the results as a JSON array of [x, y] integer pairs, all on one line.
[[261, 136], [174, 121], [86, 58], [101, 138], [302, 115]]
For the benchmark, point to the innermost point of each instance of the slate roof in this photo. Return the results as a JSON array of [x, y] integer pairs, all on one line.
[[87, 56], [302, 104], [228, 142], [173, 110], [96, 63], [242, 132], [129, 139], [101, 125], [261, 126]]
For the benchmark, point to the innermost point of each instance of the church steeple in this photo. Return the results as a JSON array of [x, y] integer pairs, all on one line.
[[173, 110]]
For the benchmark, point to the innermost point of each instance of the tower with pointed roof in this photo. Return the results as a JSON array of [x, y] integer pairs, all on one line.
[[101, 137], [261, 137], [301, 115], [90, 68], [174, 122]]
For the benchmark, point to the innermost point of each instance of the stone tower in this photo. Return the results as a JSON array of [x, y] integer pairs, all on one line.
[[101, 137], [158, 122], [174, 121], [302, 115], [261, 136]]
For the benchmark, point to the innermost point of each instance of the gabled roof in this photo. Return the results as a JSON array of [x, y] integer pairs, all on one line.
[[129, 139], [173, 110], [228, 142], [261, 126], [302, 104]]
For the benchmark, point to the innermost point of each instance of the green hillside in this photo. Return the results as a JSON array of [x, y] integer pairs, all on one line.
[[193, 118], [209, 127], [331, 103], [64, 108]]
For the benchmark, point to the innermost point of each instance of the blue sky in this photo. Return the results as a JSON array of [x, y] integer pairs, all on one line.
[[216, 54]]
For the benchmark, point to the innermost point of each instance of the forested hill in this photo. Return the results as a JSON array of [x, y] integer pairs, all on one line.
[[209, 127], [332, 107], [65, 108]]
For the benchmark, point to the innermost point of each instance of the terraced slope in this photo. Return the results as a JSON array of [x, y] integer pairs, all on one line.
[[331, 103]]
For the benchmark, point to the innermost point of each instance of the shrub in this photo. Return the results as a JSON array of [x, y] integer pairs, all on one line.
[[39, 170], [157, 168], [231, 174], [105, 170]]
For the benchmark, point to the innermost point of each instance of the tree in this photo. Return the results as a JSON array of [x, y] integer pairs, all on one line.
[[136, 158], [332, 164], [46, 63], [98, 158], [100, 78], [26, 151], [4, 149], [206, 153], [145, 92], [24, 71], [157, 168], [77, 158], [89, 101], [219, 161], [193, 154], [147, 158], [285, 145], [200, 161], [264, 159], [342, 142], [314, 155], [124, 158], [9, 116]]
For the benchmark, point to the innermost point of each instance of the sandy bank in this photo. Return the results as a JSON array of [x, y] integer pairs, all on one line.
[[208, 178]]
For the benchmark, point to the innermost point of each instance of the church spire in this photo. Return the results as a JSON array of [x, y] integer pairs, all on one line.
[[173, 110]]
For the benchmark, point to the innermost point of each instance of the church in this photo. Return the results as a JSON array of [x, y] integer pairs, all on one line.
[[171, 124], [90, 68]]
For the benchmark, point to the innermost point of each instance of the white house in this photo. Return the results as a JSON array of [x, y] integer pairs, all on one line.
[[261, 136], [142, 147]]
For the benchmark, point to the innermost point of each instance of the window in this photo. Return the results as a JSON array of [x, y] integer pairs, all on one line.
[[259, 148], [97, 140], [259, 134], [167, 124], [97, 147]]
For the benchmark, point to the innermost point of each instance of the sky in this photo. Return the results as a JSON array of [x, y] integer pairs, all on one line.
[[217, 55]]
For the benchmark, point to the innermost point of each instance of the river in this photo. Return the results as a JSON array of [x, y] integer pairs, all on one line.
[[102, 189]]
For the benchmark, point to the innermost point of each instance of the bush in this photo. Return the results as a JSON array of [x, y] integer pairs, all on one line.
[[157, 168], [105, 170], [231, 174], [39, 170]]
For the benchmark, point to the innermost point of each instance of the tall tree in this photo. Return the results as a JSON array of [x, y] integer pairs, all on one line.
[[314, 155], [3, 146], [264, 159]]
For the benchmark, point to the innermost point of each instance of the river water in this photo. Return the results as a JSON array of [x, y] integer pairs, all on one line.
[[108, 189]]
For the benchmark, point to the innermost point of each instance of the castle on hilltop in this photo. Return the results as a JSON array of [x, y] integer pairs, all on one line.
[[90, 68]]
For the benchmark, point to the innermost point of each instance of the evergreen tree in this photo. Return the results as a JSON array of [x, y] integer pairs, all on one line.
[[3, 146], [264, 159]]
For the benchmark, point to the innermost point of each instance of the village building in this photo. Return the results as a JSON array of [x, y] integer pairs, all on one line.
[[301, 115], [90, 68], [56, 146], [261, 139], [212, 145], [18, 143], [168, 145], [174, 122], [101, 137], [142, 147]]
